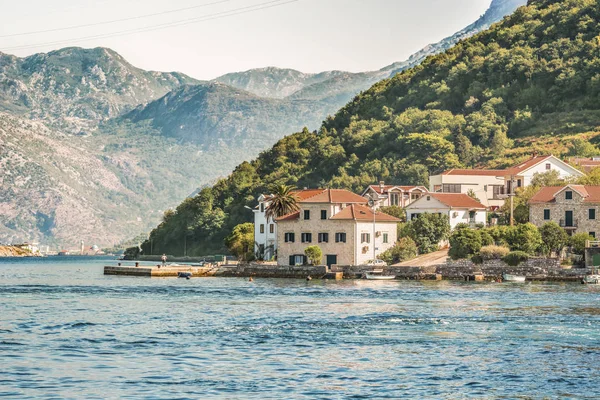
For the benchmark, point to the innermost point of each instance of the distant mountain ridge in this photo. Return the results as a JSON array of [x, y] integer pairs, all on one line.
[[95, 149]]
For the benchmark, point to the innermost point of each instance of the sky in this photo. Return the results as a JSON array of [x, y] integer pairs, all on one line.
[[208, 38]]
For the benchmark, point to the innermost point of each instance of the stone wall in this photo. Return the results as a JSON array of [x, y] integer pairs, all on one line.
[[273, 271]]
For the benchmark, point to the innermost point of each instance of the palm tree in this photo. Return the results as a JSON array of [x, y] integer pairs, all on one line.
[[282, 202]]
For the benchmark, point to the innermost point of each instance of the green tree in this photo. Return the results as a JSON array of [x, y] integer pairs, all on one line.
[[471, 194], [554, 237], [405, 249], [464, 243], [314, 254], [394, 211], [583, 148], [282, 201], [428, 230], [241, 241], [525, 238], [578, 242]]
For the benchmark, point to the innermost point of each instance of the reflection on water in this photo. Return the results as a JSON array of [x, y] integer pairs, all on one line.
[[68, 331]]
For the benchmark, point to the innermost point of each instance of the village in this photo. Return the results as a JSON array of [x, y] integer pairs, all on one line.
[[334, 227]]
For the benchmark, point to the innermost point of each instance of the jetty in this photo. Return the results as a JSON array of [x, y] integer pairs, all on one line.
[[159, 270]]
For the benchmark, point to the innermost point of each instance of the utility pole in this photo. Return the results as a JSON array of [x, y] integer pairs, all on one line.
[[372, 204], [512, 202]]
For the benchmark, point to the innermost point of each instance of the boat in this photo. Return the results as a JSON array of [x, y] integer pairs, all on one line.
[[513, 278], [182, 274], [377, 275], [592, 279]]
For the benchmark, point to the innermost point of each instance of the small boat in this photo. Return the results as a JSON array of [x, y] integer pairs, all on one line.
[[377, 275], [186, 275], [593, 279], [513, 278]]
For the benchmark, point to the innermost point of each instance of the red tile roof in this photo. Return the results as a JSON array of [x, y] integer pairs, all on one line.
[[533, 161], [289, 217], [476, 172], [547, 194], [386, 188], [361, 213], [335, 196], [454, 200]]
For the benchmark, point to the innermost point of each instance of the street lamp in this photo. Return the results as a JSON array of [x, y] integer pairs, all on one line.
[[372, 204]]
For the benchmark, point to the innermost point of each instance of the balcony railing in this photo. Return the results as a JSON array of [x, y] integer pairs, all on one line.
[[572, 224], [592, 243]]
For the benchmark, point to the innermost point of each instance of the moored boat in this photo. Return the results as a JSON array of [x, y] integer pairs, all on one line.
[[513, 278], [182, 274], [592, 279], [378, 276]]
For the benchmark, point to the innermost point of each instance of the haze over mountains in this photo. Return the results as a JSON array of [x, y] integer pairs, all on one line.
[[96, 149]]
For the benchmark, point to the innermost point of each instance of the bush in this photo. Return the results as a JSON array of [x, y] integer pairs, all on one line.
[[525, 238], [405, 249], [515, 258], [486, 238], [394, 211], [314, 254], [578, 242], [428, 230], [499, 234], [476, 259], [464, 243], [554, 237], [493, 252]]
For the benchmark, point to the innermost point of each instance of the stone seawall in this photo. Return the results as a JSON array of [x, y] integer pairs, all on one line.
[[274, 271]]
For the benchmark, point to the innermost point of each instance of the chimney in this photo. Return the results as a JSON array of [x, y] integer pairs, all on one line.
[[381, 186]]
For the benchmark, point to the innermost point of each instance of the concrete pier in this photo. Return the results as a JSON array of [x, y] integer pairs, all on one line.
[[156, 271]]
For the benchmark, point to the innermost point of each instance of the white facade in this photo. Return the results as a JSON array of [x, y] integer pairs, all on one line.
[[265, 233], [456, 214], [488, 185], [523, 174]]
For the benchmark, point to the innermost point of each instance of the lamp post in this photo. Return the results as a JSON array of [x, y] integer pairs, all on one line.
[[372, 205]]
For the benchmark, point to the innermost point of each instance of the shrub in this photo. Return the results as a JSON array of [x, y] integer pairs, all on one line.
[[578, 242], [486, 238], [476, 259], [428, 230], [499, 234], [554, 237], [493, 252], [464, 243], [405, 249], [525, 238], [515, 258], [394, 211], [314, 254]]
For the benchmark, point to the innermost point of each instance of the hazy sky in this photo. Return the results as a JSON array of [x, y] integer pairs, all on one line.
[[308, 35]]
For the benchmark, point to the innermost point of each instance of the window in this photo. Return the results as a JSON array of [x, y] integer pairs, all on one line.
[[306, 238], [323, 237], [519, 183], [414, 216], [415, 196], [365, 238], [498, 190], [451, 188], [428, 198], [548, 167], [323, 214], [568, 195], [290, 237], [394, 199], [262, 228], [593, 234], [340, 237], [271, 228], [546, 215], [592, 213], [262, 207], [306, 214], [385, 238]]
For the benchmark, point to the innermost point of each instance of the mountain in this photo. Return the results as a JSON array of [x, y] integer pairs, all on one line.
[[75, 88], [339, 87], [96, 149], [216, 116], [528, 84]]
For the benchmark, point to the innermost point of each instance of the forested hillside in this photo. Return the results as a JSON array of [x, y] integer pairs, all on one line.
[[530, 83]]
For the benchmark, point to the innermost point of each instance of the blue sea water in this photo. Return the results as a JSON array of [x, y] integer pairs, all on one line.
[[68, 331]]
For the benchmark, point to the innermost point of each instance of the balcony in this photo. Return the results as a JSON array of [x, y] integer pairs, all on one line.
[[571, 225]]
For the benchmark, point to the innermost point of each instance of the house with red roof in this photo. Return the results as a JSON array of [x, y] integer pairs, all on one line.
[[492, 186], [573, 207], [340, 222], [394, 195], [459, 207]]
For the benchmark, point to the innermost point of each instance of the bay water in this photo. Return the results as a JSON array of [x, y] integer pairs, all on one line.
[[68, 331]]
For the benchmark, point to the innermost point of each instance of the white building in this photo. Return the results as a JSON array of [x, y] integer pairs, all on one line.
[[491, 186], [265, 233], [394, 195], [459, 208]]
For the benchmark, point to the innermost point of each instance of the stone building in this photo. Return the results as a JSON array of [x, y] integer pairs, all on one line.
[[573, 207], [340, 223]]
